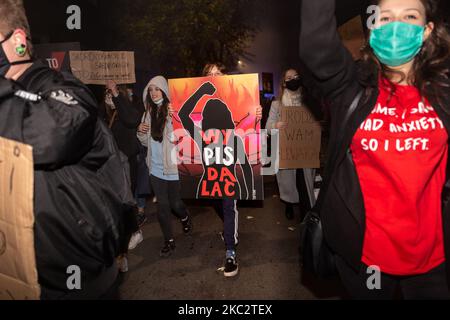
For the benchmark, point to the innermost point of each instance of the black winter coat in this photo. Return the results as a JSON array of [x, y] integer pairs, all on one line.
[[124, 128], [77, 216]]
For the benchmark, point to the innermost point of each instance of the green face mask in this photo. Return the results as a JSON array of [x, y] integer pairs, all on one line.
[[397, 43]]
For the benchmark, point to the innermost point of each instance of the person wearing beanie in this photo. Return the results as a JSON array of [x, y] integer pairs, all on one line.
[[155, 133]]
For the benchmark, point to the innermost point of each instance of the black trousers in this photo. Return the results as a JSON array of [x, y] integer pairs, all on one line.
[[227, 211], [432, 285], [130, 223], [305, 203], [130, 227], [168, 194], [133, 162]]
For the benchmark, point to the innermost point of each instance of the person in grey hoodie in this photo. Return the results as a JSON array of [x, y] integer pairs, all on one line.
[[156, 133]]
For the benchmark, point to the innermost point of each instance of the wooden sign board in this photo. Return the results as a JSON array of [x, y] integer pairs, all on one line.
[[96, 67]]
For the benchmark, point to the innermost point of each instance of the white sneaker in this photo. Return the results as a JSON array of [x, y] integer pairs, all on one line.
[[122, 263], [135, 240], [155, 200]]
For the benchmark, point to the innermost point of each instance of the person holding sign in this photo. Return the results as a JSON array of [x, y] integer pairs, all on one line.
[[80, 182], [295, 187], [221, 151], [384, 209], [156, 133], [123, 115]]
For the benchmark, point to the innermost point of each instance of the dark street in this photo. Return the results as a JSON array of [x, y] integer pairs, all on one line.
[[267, 253]]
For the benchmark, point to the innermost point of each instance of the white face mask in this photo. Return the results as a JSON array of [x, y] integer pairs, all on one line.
[[158, 102]]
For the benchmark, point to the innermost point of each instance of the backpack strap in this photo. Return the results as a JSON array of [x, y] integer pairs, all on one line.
[[339, 141]]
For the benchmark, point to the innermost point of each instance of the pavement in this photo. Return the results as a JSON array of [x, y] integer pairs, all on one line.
[[267, 254]]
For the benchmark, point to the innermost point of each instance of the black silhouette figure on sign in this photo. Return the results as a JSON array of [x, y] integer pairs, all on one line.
[[221, 149]]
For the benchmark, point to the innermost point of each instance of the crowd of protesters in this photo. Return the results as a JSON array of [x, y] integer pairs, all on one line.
[[97, 165]]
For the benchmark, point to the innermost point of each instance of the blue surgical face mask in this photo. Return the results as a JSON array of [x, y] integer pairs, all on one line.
[[397, 43]]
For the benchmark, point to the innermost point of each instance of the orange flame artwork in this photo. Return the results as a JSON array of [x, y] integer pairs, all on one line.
[[207, 108]]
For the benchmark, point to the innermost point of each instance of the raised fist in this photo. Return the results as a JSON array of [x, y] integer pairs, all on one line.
[[208, 88]]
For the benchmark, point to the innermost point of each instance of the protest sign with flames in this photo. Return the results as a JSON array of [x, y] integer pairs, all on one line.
[[218, 136]]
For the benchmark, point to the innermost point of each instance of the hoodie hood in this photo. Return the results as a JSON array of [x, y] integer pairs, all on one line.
[[159, 82]]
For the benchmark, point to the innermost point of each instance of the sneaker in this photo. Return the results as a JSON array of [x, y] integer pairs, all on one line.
[[135, 240], [187, 225], [122, 263], [141, 219], [231, 267], [155, 200], [169, 247]]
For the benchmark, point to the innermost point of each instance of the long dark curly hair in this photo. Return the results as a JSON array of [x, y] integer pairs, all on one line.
[[430, 72], [158, 117]]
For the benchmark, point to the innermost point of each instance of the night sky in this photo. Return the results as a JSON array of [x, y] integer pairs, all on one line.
[[48, 18], [275, 46]]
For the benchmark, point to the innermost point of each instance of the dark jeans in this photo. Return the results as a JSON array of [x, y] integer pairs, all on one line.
[[169, 200], [133, 162], [130, 226], [130, 223], [432, 285]]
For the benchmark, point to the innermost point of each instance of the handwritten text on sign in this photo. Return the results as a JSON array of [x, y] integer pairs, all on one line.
[[96, 67], [18, 274], [300, 141]]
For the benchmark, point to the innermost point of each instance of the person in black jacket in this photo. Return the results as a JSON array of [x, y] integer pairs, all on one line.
[[384, 208], [77, 211], [128, 113], [123, 113]]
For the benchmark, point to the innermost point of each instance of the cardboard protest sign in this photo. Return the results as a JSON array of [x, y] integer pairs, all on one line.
[[352, 35], [56, 55], [218, 137], [300, 142], [18, 274], [96, 67]]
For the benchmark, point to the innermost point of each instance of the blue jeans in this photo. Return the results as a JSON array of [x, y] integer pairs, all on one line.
[[141, 201]]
